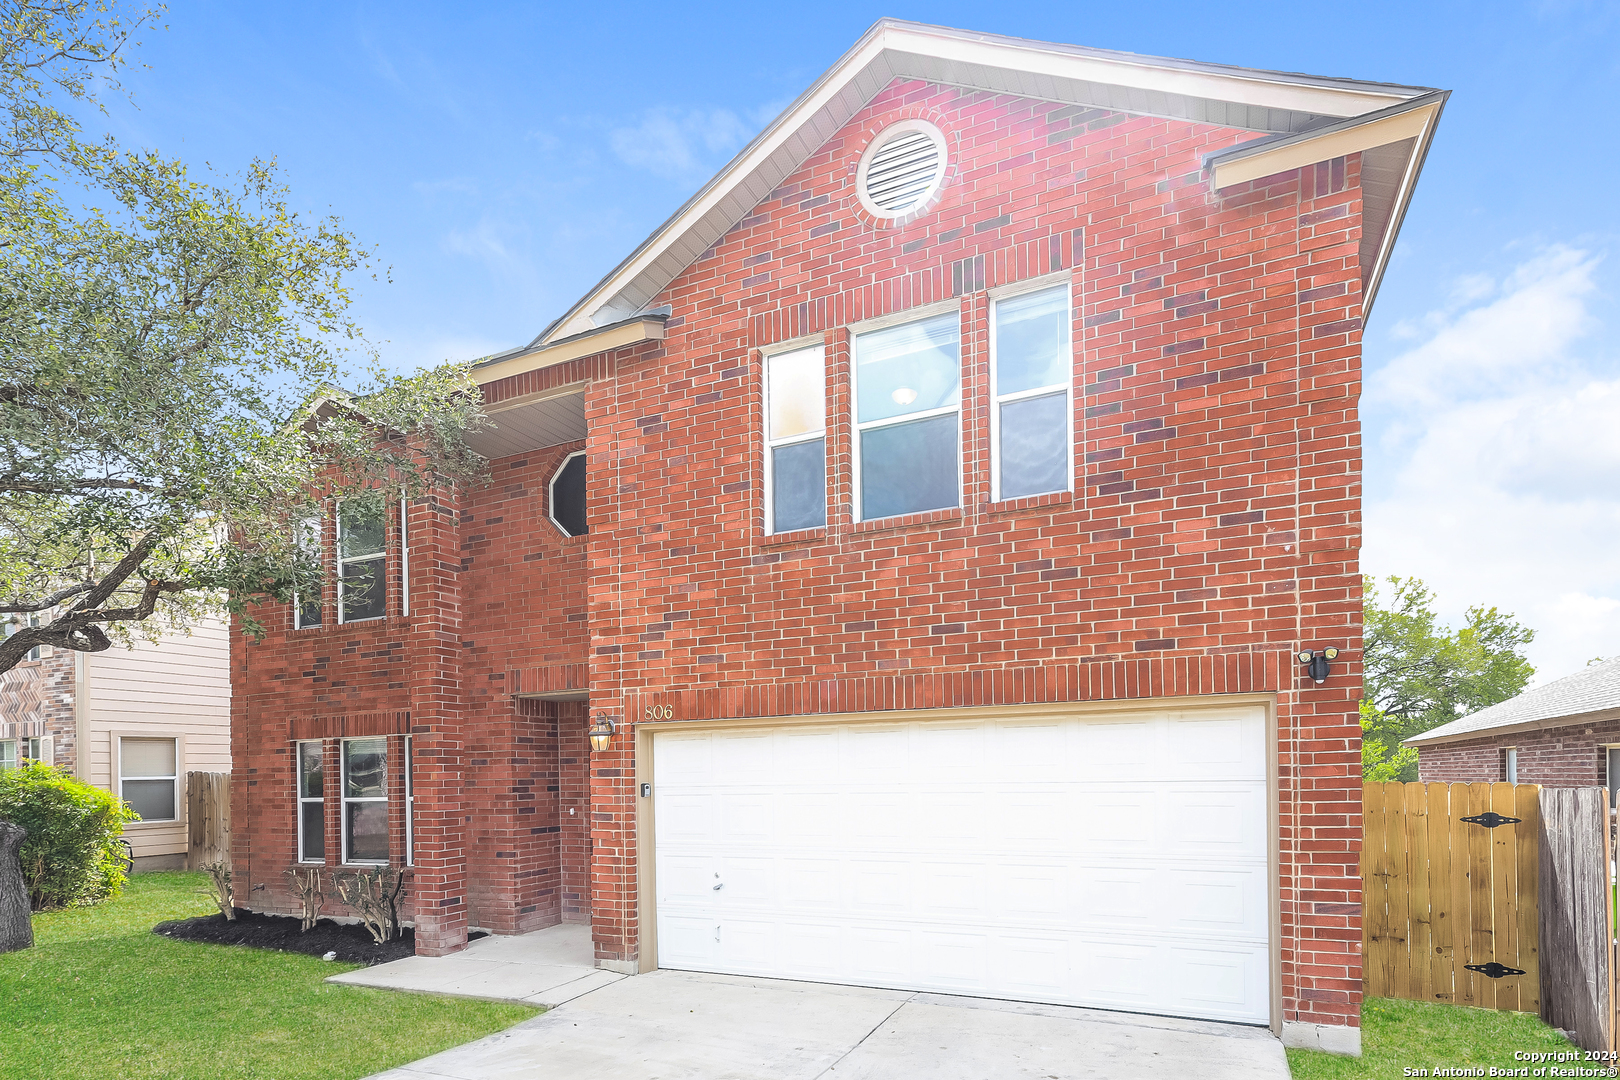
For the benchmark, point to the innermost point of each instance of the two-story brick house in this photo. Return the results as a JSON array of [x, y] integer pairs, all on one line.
[[933, 508]]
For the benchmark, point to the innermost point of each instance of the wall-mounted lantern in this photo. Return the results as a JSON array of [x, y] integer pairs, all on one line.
[[601, 732], [1317, 664]]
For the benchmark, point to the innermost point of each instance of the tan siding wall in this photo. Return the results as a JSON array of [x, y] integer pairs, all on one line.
[[179, 686]]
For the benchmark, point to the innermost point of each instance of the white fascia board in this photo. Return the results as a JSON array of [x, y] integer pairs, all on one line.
[[1337, 142], [578, 320], [1247, 88]]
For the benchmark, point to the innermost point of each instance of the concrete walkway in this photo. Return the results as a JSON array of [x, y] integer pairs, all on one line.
[[547, 967], [676, 1025]]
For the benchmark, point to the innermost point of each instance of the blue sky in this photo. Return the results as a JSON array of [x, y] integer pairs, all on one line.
[[502, 157]]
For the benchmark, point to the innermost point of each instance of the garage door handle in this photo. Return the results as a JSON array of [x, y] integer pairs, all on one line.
[[720, 886]]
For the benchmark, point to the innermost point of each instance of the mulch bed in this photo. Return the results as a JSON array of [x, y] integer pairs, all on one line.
[[350, 941]]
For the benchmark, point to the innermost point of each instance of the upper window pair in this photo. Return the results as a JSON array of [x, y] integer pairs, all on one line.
[[908, 397], [362, 543]]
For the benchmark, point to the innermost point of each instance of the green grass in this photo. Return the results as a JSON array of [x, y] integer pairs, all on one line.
[[1397, 1035], [99, 995]]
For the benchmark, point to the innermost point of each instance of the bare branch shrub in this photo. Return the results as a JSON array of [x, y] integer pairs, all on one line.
[[306, 885], [219, 887], [374, 896]]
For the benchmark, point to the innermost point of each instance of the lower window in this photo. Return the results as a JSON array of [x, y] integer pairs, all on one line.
[[147, 777], [311, 802], [8, 754], [365, 800]]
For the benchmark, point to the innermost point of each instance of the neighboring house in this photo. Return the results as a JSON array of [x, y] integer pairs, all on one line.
[[133, 721], [935, 506], [1563, 734]]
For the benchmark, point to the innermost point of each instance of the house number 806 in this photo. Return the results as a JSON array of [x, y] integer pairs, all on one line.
[[660, 712]]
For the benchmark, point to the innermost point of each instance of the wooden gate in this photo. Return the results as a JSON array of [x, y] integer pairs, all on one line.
[[208, 818], [1444, 898], [1577, 917]]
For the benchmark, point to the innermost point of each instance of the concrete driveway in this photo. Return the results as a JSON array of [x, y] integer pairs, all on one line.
[[672, 1025]]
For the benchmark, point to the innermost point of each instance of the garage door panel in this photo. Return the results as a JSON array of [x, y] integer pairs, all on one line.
[[1226, 821], [684, 758], [1083, 861], [688, 941]]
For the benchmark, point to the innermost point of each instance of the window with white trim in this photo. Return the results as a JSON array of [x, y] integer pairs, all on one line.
[[1510, 764], [362, 543], [365, 800], [8, 754], [1032, 378], [410, 803], [565, 496], [311, 801], [795, 440], [148, 777], [307, 609], [908, 399]]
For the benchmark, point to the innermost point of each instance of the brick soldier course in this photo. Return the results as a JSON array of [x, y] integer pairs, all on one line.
[[1211, 529]]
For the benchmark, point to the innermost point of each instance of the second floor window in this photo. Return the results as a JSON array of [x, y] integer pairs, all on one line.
[[908, 393], [795, 440], [1031, 414], [362, 584], [307, 608]]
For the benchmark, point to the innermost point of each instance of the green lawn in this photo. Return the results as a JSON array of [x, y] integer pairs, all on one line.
[[101, 996], [1397, 1035]]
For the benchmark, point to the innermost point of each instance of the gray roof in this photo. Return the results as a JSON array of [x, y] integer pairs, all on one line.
[[1594, 689]]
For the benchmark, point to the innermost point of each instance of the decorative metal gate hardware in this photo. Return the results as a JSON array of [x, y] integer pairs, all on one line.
[[1491, 819], [1493, 970]]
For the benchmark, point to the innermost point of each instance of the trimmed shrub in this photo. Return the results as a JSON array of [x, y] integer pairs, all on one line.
[[73, 854]]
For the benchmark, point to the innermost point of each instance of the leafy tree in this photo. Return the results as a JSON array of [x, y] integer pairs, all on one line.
[[168, 350], [1419, 673]]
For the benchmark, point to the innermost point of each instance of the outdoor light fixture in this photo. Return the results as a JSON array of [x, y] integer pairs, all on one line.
[[601, 732], [1316, 663]]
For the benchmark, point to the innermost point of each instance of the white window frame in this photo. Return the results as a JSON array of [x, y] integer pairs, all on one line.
[[404, 557], [922, 313], [299, 799], [771, 445], [380, 555], [315, 525], [344, 800], [408, 760], [551, 492], [179, 771], [11, 760], [997, 296], [1510, 764], [1610, 779]]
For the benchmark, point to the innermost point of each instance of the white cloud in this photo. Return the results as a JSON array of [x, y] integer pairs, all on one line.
[[1494, 457], [680, 145]]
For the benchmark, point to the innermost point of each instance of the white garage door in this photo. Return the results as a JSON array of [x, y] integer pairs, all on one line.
[[1115, 861]]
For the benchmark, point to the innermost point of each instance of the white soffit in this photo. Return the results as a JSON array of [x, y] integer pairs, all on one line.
[[1273, 103], [531, 425]]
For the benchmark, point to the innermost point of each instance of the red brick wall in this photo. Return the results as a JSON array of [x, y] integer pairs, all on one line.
[[1570, 756], [1215, 516], [1212, 530]]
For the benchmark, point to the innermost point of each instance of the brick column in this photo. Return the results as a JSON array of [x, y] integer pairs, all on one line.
[[439, 881]]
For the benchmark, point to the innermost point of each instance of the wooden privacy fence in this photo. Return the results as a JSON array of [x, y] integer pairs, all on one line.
[[208, 818], [1491, 912], [1440, 894]]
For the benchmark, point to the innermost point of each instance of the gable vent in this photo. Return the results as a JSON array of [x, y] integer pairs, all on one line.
[[902, 169]]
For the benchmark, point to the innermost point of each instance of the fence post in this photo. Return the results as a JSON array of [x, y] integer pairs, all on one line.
[[1576, 923], [208, 818]]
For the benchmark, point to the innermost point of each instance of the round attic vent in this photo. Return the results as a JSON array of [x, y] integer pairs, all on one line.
[[901, 169]]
